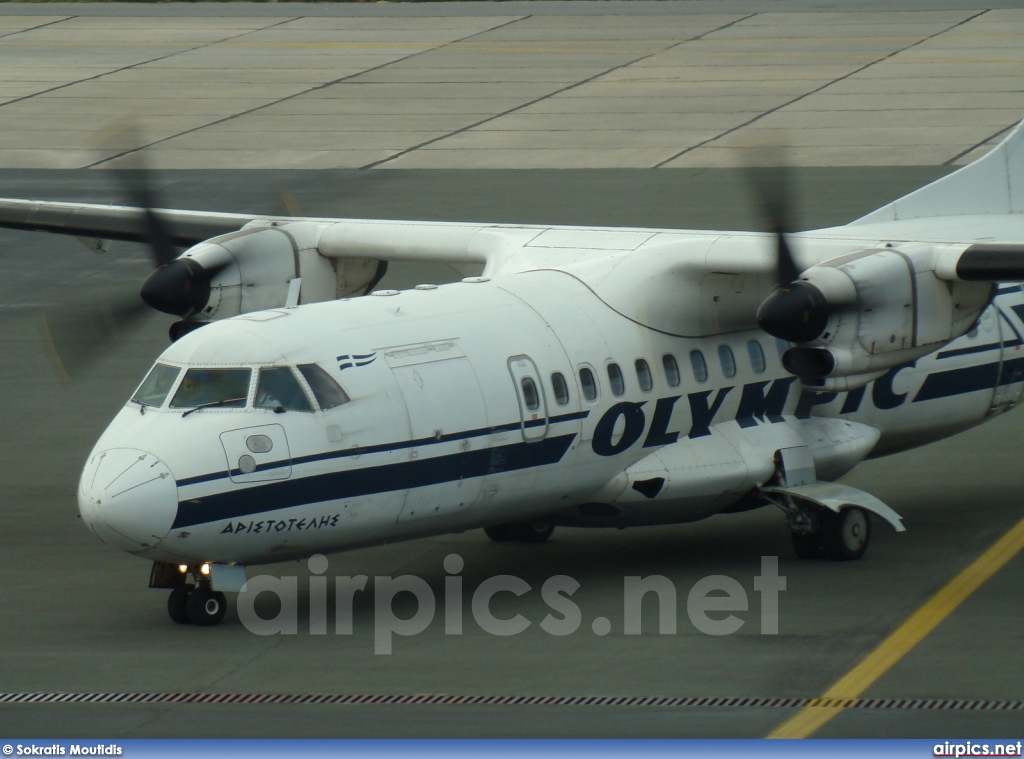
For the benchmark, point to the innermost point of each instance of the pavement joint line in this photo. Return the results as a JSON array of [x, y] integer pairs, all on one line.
[[832, 704], [646, 9], [760, 116], [843, 56], [134, 65], [567, 45], [33, 28], [580, 83], [847, 690], [318, 87], [990, 138], [562, 51]]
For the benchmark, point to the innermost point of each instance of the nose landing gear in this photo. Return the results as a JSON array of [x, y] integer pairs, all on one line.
[[200, 606], [190, 603], [177, 604], [206, 607]]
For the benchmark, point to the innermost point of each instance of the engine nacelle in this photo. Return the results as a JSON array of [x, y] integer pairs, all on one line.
[[859, 315], [250, 271], [255, 269]]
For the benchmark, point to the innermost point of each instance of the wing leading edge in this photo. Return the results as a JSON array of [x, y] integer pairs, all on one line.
[[125, 223]]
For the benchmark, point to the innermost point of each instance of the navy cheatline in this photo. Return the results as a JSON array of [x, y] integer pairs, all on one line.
[[384, 447], [979, 349], [387, 478], [969, 379]]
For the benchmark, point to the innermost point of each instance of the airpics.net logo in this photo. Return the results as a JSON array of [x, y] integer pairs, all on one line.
[[712, 604]]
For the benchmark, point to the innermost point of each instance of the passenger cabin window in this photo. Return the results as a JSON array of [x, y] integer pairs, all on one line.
[[643, 375], [700, 366], [327, 392], [530, 396], [158, 383], [278, 389], [227, 388], [561, 388], [589, 383], [668, 362], [727, 360], [615, 378], [756, 356]]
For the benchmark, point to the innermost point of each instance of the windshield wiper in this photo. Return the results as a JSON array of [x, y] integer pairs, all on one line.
[[213, 404]]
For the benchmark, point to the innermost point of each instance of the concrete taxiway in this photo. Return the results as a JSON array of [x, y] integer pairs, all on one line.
[[533, 117]]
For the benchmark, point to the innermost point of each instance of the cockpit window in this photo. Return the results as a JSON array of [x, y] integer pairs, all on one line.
[[158, 383], [278, 389], [328, 392], [202, 387]]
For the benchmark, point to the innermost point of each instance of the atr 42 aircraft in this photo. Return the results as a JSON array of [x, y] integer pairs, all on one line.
[[588, 377]]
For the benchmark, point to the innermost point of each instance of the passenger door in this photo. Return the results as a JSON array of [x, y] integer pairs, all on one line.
[[1009, 380], [533, 406]]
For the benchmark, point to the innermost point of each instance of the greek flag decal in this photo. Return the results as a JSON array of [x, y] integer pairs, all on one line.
[[348, 361]]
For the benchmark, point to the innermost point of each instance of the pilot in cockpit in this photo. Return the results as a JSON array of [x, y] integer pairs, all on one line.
[[279, 390]]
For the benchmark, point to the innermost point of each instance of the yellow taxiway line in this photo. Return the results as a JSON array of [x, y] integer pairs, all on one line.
[[851, 685]]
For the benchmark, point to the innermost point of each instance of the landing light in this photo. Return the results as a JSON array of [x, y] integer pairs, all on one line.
[[205, 569], [183, 568]]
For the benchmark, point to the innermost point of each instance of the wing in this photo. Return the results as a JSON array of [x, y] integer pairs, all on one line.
[[360, 239], [186, 228]]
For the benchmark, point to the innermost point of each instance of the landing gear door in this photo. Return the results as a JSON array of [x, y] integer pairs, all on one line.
[[257, 454], [533, 405]]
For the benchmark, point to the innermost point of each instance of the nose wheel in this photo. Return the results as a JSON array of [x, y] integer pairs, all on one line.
[[206, 607], [177, 604], [200, 606]]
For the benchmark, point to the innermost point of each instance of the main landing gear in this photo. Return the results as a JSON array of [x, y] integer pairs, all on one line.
[[820, 533], [526, 532], [842, 536]]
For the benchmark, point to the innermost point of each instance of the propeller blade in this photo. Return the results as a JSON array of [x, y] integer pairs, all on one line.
[[795, 311], [140, 192], [786, 270], [79, 334], [768, 175], [290, 203], [136, 182], [991, 262]]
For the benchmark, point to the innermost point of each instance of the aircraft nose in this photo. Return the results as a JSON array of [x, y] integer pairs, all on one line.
[[128, 497]]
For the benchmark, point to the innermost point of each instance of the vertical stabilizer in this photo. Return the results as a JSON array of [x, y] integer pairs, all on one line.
[[994, 184]]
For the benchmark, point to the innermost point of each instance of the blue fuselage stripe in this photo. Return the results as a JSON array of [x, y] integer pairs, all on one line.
[[980, 348], [366, 481], [393, 446], [970, 379]]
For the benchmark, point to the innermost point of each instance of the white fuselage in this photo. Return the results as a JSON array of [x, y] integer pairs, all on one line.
[[443, 432]]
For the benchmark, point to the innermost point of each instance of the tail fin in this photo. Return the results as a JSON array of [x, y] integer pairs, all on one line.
[[994, 184]]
